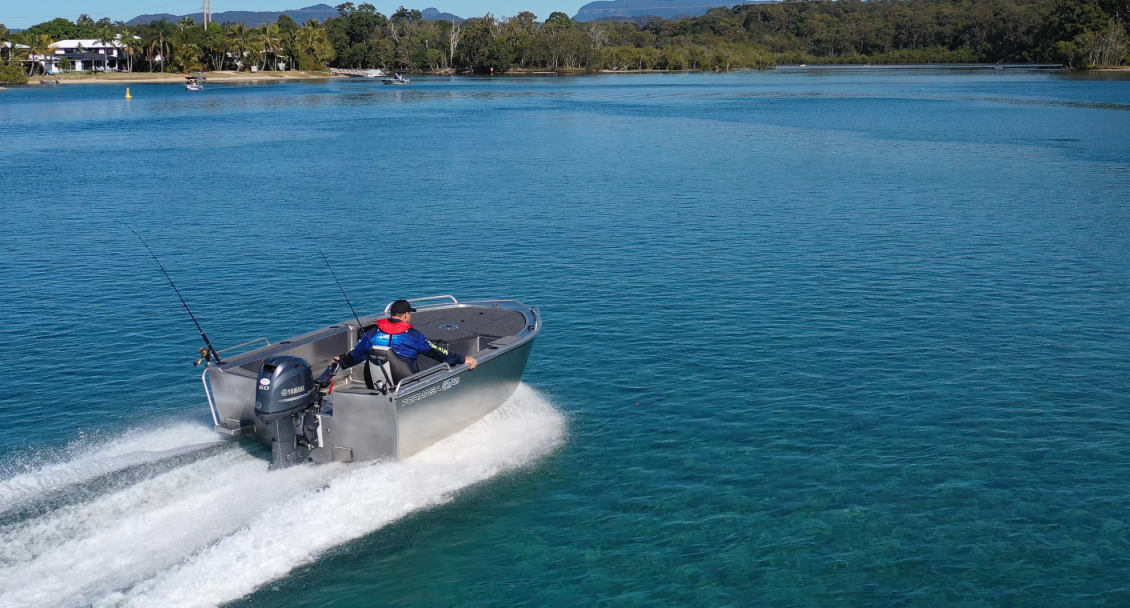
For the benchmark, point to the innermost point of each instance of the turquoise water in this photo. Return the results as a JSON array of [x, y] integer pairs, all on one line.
[[835, 339]]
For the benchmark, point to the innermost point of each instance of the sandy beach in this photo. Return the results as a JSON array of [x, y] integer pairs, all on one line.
[[157, 77]]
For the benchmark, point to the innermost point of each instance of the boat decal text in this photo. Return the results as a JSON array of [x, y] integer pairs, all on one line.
[[431, 391]]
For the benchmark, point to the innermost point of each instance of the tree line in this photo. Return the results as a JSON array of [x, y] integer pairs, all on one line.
[[1077, 33], [186, 46]]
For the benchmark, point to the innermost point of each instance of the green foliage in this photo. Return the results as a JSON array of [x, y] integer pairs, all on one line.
[[306, 63], [62, 29], [559, 19], [1077, 33], [746, 36], [1109, 46], [287, 23], [187, 58], [5, 36], [12, 73], [498, 56], [405, 15]]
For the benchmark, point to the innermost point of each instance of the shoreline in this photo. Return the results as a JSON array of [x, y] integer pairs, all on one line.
[[165, 78], [228, 76]]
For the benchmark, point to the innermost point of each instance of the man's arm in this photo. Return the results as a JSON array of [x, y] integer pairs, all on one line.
[[431, 351], [359, 353]]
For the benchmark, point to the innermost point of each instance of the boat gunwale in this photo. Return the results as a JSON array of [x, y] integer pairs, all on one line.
[[416, 381]]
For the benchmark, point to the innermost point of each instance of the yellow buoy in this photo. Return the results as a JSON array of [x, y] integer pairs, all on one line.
[[128, 96]]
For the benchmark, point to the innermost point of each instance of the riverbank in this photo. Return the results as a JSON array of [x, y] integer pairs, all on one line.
[[232, 76], [158, 77]]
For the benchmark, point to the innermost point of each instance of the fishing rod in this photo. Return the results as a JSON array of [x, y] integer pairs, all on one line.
[[215, 355], [359, 325]]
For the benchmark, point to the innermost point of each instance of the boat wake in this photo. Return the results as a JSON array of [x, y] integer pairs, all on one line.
[[207, 531], [91, 464]]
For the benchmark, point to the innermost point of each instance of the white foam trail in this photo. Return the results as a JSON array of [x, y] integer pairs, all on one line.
[[209, 532], [121, 453]]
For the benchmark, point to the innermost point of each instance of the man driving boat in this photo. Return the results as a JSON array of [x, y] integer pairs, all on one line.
[[396, 333]]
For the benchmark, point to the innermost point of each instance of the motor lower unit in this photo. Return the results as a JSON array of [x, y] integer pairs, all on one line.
[[288, 400]]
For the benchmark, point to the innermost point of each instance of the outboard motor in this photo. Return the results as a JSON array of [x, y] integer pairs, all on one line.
[[287, 402]]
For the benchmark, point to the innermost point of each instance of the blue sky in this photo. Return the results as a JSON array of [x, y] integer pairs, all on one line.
[[25, 13]]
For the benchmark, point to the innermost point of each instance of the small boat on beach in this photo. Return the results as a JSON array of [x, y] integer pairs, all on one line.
[[398, 78], [192, 83], [288, 395]]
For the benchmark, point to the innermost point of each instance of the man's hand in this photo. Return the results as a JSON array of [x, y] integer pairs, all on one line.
[[471, 362]]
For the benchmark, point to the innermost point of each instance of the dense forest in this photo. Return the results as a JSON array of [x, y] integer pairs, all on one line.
[[1077, 33]]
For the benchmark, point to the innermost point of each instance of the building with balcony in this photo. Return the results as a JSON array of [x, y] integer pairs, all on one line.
[[89, 54]]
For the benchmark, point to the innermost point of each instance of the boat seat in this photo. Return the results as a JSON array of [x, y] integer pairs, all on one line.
[[385, 363]]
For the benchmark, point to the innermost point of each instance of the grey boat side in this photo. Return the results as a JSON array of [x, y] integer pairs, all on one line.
[[365, 424]]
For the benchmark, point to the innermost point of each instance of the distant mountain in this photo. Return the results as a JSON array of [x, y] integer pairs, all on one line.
[[171, 18], [606, 10], [320, 12], [433, 14]]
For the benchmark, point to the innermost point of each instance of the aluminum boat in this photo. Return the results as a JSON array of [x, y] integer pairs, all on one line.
[[282, 394]]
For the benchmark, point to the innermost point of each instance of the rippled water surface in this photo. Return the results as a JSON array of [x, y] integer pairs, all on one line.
[[834, 339]]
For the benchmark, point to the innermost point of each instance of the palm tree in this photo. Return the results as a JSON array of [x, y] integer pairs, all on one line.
[[159, 46], [37, 44], [291, 48], [313, 40], [271, 42], [216, 40], [187, 57], [241, 39], [105, 37], [132, 46], [254, 51], [308, 40]]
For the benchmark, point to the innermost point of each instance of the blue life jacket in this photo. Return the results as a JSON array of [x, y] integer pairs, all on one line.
[[404, 340]]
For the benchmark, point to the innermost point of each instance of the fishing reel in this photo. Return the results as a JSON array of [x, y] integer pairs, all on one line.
[[205, 356]]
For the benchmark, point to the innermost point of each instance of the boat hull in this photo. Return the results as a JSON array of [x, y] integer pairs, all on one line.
[[358, 423], [375, 426]]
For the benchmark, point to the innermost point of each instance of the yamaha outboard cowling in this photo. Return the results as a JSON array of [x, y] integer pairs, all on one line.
[[286, 401]]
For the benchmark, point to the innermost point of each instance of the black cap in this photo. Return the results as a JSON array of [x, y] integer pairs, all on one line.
[[400, 307]]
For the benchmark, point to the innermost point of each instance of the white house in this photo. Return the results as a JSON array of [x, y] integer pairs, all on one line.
[[90, 54], [85, 54]]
